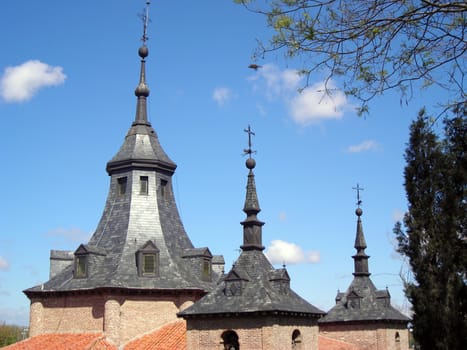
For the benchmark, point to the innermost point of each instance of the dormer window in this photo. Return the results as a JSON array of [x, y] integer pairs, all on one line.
[[143, 185], [86, 256], [121, 182], [149, 264], [147, 260], [206, 270], [81, 270]]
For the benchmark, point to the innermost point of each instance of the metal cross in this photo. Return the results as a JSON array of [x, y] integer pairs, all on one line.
[[358, 189], [145, 18], [249, 151]]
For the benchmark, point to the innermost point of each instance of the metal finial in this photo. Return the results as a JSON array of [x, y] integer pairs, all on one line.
[[145, 18], [358, 189], [249, 151]]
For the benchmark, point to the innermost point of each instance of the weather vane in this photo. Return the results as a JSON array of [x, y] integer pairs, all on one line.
[[145, 18], [249, 151], [358, 189]]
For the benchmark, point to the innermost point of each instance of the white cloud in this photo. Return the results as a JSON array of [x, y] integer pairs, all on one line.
[[69, 235], [21, 83], [222, 95], [281, 252], [4, 264], [320, 101], [317, 102], [276, 82], [368, 145]]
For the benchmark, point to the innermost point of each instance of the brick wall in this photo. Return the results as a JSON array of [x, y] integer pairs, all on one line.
[[254, 333], [67, 314], [370, 336], [121, 317]]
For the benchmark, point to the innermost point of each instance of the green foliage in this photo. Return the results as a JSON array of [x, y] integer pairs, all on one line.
[[417, 44], [10, 334], [434, 234]]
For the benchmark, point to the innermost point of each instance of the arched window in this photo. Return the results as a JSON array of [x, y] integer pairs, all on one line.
[[397, 338], [230, 340], [296, 340]]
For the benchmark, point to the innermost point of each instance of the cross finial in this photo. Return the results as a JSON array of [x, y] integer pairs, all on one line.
[[249, 151], [145, 18], [358, 189]]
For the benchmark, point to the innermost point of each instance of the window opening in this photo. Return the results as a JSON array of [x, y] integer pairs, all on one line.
[[163, 188], [296, 340], [206, 271], [121, 186], [80, 266], [230, 340], [143, 185], [149, 264]]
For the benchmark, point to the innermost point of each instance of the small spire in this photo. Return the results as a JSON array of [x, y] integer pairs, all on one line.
[[142, 90], [360, 259], [252, 227]]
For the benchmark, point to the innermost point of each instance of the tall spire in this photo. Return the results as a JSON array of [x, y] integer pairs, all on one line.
[[142, 90], [252, 227], [360, 259]]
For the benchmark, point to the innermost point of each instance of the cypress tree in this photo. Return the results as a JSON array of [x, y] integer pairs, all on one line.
[[433, 235]]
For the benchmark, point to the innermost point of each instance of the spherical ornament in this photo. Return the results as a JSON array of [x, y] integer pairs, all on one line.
[[250, 163], [142, 90], [143, 51], [359, 211]]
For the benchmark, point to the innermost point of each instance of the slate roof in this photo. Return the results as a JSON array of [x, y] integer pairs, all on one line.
[[362, 302], [253, 285], [130, 220]]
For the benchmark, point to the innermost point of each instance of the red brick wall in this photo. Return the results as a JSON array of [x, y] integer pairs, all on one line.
[[67, 314], [120, 317], [370, 336], [254, 333]]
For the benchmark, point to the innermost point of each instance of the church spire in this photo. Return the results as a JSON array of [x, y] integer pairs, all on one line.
[[360, 259], [142, 90], [252, 227]]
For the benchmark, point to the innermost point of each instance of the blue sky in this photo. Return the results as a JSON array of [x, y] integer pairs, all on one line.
[[68, 72]]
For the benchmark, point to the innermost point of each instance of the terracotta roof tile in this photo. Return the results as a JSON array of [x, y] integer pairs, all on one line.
[[169, 337], [64, 341], [326, 343]]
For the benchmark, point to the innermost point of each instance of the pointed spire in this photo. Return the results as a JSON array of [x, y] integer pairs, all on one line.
[[360, 259], [142, 90], [252, 227]]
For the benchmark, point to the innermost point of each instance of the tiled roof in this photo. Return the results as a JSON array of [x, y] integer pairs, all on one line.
[[64, 341], [325, 343], [169, 337]]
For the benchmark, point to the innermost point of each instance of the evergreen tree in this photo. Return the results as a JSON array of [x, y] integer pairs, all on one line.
[[433, 236]]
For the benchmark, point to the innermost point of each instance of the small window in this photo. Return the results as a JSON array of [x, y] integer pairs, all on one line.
[[397, 337], [296, 340], [149, 264], [143, 185], [163, 188], [80, 266], [230, 340], [121, 186], [206, 270], [147, 260]]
